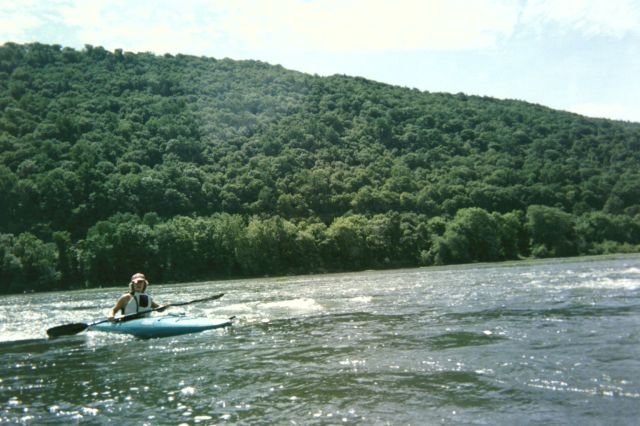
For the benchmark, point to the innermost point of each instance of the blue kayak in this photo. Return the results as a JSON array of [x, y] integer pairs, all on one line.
[[161, 326]]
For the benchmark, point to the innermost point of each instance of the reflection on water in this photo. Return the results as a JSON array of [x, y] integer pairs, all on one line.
[[538, 343]]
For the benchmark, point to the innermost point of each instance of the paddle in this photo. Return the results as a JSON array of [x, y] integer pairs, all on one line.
[[77, 327]]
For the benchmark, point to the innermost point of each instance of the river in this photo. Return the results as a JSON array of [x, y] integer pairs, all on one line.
[[527, 343]]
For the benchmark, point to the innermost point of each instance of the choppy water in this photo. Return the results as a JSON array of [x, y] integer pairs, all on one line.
[[544, 343]]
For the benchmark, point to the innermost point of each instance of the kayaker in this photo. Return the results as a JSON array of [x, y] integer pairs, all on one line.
[[136, 300]]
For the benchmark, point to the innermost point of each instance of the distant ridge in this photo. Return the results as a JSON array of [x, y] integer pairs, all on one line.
[[193, 167]]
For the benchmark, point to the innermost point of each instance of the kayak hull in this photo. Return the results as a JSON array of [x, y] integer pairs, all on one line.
[[163, 326]]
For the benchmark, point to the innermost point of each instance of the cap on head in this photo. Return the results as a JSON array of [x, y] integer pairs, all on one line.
[[136, 278]]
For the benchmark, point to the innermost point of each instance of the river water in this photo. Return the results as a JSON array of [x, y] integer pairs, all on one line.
[[554, 342]]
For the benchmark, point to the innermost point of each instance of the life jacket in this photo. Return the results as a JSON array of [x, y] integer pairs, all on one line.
[[140, 302]]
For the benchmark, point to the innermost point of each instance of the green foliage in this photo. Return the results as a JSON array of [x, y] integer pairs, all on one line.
[[473, 234], [552, 232], [27, 263], [192, 167]]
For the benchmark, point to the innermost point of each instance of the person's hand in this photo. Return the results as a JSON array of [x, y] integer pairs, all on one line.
[[162, 308]]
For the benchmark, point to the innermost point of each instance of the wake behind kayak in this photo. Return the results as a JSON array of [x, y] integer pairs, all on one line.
[[162, 326]]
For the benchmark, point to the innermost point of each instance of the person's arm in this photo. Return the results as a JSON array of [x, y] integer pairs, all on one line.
[[119, 306], [155, 306]]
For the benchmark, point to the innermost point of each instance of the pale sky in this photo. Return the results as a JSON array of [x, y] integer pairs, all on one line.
[[575, 55]]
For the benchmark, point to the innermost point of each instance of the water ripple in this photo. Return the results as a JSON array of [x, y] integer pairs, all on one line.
[[522, 343]]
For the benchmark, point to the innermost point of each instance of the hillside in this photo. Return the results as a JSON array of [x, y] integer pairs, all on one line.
[[191, 168]]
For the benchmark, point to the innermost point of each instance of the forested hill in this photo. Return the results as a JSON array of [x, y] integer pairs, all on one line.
[[188, 167]]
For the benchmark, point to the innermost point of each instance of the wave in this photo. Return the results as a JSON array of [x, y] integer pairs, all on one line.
[[302, 305], [565, 312], [460, 339], [360, 300], [603, 283], [38, 345]]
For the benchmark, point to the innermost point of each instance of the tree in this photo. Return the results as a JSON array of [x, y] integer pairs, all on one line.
[[345, 245], [8, 181], [115, 247], [513, 236], [473, 235], [92, 140], [28, 264], [270, 247], [552, 231]]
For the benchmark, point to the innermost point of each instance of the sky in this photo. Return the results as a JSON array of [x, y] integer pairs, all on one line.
[[575, 55]]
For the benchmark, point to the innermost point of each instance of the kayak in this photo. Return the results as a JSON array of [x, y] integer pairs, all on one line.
[[162, 326]]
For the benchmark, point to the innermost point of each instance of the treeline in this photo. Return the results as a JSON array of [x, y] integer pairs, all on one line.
[[223, 245], [93, 142]]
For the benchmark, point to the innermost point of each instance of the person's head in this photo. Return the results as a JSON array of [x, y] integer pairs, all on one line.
[[138, 283]]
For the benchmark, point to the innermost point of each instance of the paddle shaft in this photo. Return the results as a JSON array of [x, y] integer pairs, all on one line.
[[204, 299], [159, 308]]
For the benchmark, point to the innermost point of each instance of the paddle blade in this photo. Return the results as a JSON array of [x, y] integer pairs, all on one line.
[[67, 329]]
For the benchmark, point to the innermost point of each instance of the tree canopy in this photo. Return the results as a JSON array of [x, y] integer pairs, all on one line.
[[192, 167]]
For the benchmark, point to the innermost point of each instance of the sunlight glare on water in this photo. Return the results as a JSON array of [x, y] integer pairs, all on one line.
[[553, 342]]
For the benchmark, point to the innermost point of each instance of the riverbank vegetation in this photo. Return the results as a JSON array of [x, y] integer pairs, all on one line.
[[191, 168]]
